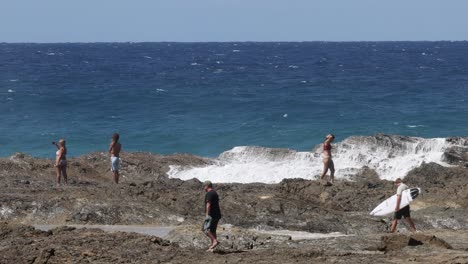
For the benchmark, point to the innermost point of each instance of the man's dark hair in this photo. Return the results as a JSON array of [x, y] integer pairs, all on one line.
[[208, 184], [115, 137]]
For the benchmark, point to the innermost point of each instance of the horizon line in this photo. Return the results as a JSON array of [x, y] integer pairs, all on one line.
[[230, 41]]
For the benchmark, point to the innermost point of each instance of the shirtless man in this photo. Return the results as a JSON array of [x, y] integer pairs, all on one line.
[[114, 149]]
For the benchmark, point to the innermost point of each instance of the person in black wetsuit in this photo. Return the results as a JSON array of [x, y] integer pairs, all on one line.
[[212, 214]]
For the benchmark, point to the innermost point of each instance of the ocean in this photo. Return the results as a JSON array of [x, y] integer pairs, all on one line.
[[207, 98]]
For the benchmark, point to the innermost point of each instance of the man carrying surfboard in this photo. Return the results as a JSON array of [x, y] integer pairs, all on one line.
[[403, 212]]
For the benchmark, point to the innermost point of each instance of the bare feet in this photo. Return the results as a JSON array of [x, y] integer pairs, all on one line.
[[213, 246]]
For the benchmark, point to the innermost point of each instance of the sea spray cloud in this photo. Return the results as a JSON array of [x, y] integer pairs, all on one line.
[[390, 156]]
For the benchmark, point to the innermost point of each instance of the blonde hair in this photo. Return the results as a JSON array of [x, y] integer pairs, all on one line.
[[62, 142]]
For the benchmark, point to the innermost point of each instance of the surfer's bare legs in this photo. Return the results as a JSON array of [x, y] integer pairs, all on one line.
[[331, 165], [328, 164], [116, 176], [58, 174], [394, 225], [214, 240], [408, 220], [64, 174], [411, 224]]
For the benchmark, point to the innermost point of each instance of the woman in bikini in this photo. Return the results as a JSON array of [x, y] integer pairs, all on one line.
[[61, 161], [327, 159]]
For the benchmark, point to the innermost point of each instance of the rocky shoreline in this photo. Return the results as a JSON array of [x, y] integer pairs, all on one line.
[[146, 196]]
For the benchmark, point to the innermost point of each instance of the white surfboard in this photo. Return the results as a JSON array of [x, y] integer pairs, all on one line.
[[388, 206]]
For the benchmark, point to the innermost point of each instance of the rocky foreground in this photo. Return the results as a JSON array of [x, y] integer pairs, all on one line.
[[146, 196]]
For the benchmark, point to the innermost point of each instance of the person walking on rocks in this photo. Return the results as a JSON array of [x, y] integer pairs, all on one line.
[[61, 161], [114, 150], [327, 160], [212, 214], [401, 212]]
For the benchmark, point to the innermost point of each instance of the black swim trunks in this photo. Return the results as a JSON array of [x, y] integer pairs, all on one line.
[[403, 212], [212, 225]]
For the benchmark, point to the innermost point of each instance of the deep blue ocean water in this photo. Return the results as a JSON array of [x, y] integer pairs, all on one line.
[[205, 98]]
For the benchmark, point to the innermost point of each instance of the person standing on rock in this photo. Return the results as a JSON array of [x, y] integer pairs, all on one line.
[[114, 150], [327, 160], [61, 161], [212, 214], [403, 212]]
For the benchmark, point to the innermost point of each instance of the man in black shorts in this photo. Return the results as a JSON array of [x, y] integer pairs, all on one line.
[[401, 212], [212, 213]]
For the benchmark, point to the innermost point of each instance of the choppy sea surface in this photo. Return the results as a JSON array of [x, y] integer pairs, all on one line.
[[206, 98]]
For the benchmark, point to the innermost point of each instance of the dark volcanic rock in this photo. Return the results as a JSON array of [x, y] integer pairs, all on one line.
[[24, 244], [147, 196], [430, 175], [397, 242], [456, 156]]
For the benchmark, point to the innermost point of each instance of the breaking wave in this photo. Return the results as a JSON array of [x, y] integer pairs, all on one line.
[[390, 156]]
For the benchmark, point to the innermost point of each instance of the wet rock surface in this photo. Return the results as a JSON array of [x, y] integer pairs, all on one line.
[[398, 242], [24, 244], [146, 196]]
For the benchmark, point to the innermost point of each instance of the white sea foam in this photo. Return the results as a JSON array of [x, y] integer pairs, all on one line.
[[11, 91], [161, 90], [390, 156], [147, 57], [293, 66], [235, 50], [14, 80]]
